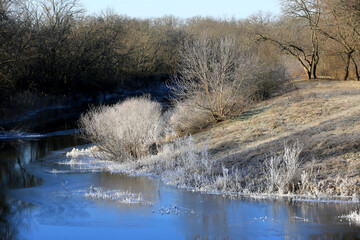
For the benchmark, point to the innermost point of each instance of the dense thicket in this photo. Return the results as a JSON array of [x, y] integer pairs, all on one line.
[[52, 47], [322, 35]]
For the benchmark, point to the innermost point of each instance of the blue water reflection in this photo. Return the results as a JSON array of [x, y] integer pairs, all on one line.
[[53, 206]]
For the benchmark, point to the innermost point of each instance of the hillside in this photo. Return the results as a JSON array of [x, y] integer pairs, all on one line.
[[322, 116]]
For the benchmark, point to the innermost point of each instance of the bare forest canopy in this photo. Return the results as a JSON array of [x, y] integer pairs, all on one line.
[[52, 47]]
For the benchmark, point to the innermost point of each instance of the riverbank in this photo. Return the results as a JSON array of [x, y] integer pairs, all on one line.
[[305, 142], [78, 197], [138, 204], [322, 116]]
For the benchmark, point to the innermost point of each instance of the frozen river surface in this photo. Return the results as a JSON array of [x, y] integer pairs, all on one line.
[[49, 198]]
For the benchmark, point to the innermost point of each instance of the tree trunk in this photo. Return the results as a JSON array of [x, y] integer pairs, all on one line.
[[347, 64], [356, 69], [308, 72], [314, 70], [315, 63]]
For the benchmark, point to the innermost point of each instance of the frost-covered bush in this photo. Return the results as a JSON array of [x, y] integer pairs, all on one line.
[[217, 79], [353, 217], [187, 166], [282, 171], [75, 152], [182, 163], [187, 118], [126, 130]]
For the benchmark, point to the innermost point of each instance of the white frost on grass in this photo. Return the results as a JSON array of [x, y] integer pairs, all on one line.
[[353, 217], [75, 152], [115, 195], [282, 171], [87, 160], [182, 164], [179, 163], [326, 199]]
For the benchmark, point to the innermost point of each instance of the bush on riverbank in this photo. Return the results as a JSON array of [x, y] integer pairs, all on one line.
[[125, 131], [218, 80], [282, 172], [322, 116]]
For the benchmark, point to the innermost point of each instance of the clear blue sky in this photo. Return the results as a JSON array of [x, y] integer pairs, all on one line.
[[183, 8]]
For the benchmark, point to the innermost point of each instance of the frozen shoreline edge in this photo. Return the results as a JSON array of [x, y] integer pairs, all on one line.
[[326, 199]]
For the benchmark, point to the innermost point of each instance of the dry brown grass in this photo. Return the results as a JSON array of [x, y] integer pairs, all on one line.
[[324, 116]]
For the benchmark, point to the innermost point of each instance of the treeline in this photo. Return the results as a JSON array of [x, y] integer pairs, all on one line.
[[53, 47], [322, 35]]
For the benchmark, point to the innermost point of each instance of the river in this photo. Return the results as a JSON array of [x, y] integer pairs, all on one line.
[[44, 197]]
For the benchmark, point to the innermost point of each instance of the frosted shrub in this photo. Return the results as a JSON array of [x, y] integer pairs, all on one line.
[[282, 172], [75, 152], [126, 130], [186, 166], [183, 164], [354, 217], [188, 118], [223, 181]]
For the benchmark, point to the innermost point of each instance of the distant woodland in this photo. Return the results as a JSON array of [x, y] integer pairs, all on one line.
[[53, 47]]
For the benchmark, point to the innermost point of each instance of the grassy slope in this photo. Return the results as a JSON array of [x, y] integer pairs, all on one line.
[[323, 116]]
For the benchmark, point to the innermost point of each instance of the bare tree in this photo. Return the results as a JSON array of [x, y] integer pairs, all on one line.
[[7, 34], [295, 33], [208, 76], [57, 19], [16, 38], [342, 25], [220, 80], [310, 11]]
